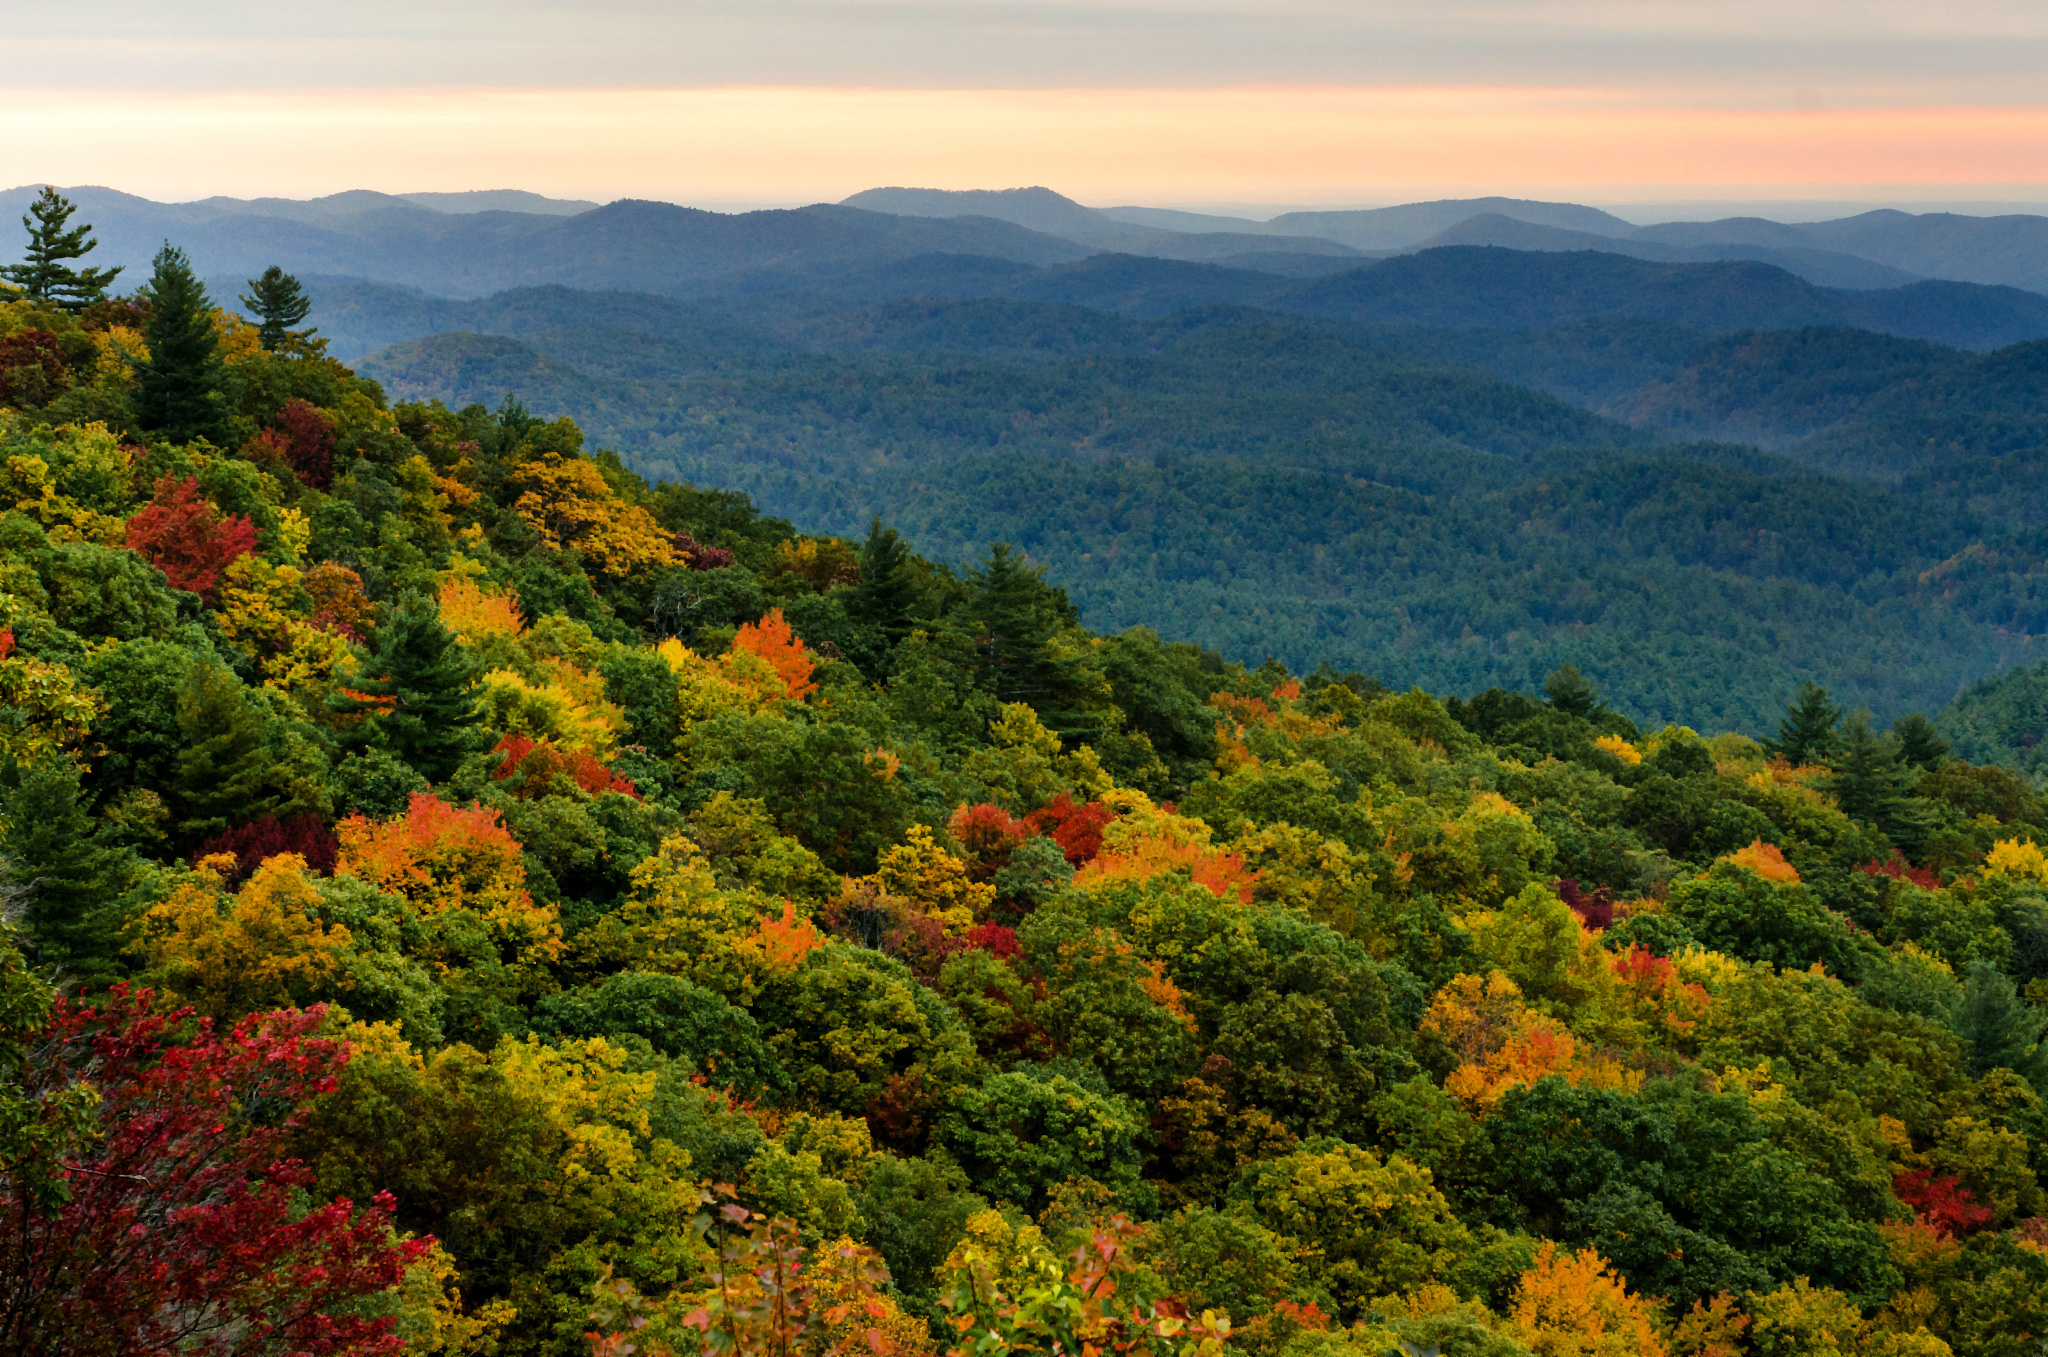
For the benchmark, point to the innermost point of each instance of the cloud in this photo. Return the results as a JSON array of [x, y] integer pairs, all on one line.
[[1716, 51]]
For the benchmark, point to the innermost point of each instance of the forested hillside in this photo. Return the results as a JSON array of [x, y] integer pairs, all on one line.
[[464, 896], [1265, 485]]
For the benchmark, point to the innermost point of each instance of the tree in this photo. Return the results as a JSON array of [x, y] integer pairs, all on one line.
[[1016, 616], [886, 596], [1573, 693], [414, 690], [1808, 733], [180, 534], [44, 273], [279, 304], [1573, 1305], [1920, 744], [182, 1229], [177, 389], [75, 884], [1999, 1030], [226, 765], [1868, 782]]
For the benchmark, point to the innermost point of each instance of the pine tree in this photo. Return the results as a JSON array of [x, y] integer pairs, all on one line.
[[178, 389], [1809, 733], [415, 691], [44, 273], [1016, 618], [2000, 1030], [887, 594], [224, 771], [73, 885], [1869, 783], [278, 304], [1919, 743], [1573, 693]]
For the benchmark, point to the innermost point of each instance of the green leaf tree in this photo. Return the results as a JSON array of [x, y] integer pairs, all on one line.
[[279, 303], [45, 272], [178, 389]]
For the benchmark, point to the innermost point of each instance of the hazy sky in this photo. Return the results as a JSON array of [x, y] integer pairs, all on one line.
[[1229, 100]]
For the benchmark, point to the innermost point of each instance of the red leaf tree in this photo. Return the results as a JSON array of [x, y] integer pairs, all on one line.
[[180, 534], [180, 1232], [1942, 1203], [309, 439], [1077, 829], [307, 835]]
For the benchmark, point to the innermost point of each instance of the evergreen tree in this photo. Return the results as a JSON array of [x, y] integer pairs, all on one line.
[[1016, 615], [1919, 743], [1869, 783], [887, 594], [1573, 693], [224, 772], [45, 273], [178, 389], [2000, 1030], [415, 690], [1809, 733], [278, 304], [73, 886]]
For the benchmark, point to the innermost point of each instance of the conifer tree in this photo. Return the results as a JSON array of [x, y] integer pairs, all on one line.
[[73, 886], [1809, 733], [224, 771], [1866, 779], [415, 691], [45, 272], [178, 389], [1016, 618], [887, 593], [278, 304], [1919, 743], [2001, 1030], [1573, 693]]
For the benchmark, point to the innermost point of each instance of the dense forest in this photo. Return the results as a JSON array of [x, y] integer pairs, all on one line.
[[463, 897], [1269, 486]]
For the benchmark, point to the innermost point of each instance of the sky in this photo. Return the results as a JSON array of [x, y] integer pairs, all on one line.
[[1217, 103]]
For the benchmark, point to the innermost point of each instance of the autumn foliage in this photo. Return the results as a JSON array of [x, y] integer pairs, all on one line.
[[309, 442], [1077, 829], [180, 534], [1575, 1305], [305, 834], [541, 766], [1942, 1203], [772, 640], [182, 1230], [1767, 861]]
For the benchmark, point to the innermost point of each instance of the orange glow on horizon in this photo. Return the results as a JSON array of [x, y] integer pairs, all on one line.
[[1160, 145]]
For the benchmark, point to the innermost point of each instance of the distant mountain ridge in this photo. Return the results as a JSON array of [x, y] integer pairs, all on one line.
[[1446, 288], [1873, 249], [475, 244]]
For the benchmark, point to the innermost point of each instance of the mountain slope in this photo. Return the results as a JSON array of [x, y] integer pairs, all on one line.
[[1823, 267], [1257, 484], [1040, 209], [1500, 288]]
